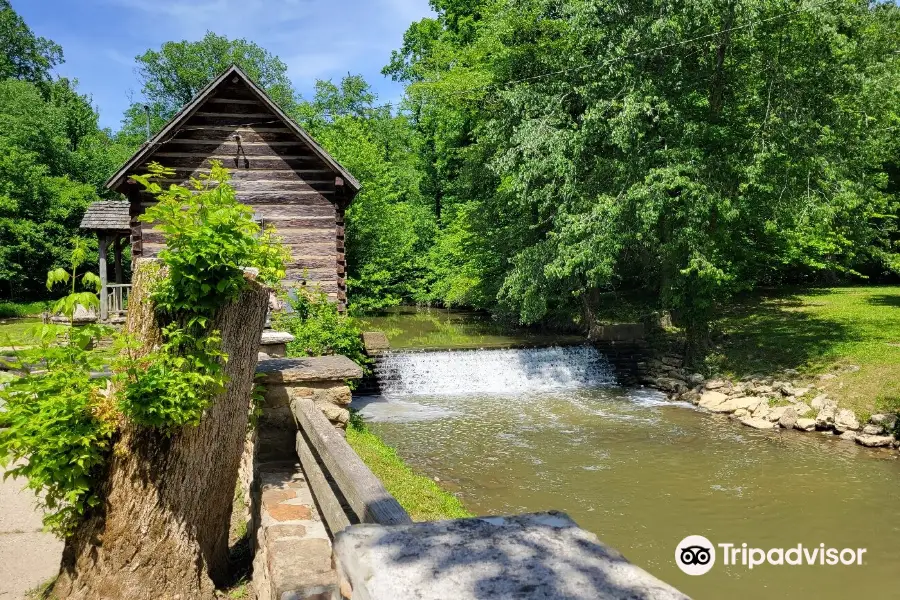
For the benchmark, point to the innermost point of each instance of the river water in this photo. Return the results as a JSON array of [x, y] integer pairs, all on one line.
[[529, 430]]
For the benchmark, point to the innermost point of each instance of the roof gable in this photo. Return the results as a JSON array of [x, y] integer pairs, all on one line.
[[232, 75]]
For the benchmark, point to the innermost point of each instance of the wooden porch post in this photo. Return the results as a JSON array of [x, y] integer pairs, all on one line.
[[104, 243], [117, 251]]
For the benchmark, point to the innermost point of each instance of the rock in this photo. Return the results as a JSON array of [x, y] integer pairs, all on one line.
[[791, 372], [762, 410], [714, 384], [316, 368], [788, 418], [692, 396], [787, 389], [818, 402], [270, 337], [800, 392], [746, 403], [873, 430], [776, 413], [845, 420], [802, 409], [375, 342], [262, 356], [825, 418], [805, 424], [849, 436], [887, 421], [778, 385], [670, 384], [850, 368], [710, 399], [741, 413], [762, 389], [875, 441], [757, 423], [827, 377], [672, 361], [695, 379]]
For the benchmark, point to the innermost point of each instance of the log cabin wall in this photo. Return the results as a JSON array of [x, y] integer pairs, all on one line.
[[273, 170]]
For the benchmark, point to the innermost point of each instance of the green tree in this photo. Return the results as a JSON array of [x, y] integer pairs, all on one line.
[[24, 55], [171, 76], [687, 152]]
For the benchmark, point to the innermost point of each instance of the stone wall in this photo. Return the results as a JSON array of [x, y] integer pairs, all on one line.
[[292, 548]]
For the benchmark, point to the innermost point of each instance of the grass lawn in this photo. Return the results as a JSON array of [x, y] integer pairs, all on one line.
[[16, 332], [422, 498], [817, 331]]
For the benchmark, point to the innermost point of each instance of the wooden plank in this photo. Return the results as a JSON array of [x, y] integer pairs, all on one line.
[[299, 199], [220, 100], [248, 134], [274, 211], [261, 185], [233, 114], [290, 221], [327, 287], [325, 497], [312, 262], [234, 121], [324, 275], [320, 249], [305, 236], [363, 491], [231, 148], [198, 161]]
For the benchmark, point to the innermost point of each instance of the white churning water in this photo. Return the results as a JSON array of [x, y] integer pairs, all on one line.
[[493, 371]]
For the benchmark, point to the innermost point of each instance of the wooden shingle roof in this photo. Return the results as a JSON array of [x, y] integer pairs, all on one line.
[[107, 215]]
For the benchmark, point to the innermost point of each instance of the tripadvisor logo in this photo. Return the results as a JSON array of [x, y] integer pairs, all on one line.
[[696, 555]]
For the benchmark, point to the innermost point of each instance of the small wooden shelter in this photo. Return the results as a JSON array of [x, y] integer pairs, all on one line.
[[288, 179]]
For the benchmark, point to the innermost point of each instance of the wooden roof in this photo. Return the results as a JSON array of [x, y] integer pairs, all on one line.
[[107, 215], [149, 148]]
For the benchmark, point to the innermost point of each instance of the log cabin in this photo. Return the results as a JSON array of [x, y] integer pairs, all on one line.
[[277, 168]]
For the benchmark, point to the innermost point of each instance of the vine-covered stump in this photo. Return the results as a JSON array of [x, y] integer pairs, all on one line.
[[161, 531]]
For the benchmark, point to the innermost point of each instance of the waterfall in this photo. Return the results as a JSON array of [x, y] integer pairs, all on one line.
[[510, 371]]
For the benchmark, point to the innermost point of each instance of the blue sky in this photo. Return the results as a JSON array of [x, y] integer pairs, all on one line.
[[317, 39]]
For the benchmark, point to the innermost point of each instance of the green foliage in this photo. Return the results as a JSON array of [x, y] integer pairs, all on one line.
[[24, 55], [171, 76], [573, 148], [60, 419], [210, 238], [319, 328], [171, 387], [388, 225], [21, 309]]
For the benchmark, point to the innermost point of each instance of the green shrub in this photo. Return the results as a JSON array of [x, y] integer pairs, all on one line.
[[319, 329], [18, 310]]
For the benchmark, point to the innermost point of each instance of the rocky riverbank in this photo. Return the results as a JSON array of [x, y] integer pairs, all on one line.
[[768, 403]]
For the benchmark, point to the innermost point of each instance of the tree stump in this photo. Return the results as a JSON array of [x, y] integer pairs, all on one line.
[[161, 531]]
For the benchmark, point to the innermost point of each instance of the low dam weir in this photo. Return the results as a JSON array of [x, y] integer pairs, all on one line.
[[525, 430], [493, 371]]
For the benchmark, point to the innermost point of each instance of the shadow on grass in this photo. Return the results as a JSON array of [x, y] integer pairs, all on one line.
[[765, 334], [885, 300]]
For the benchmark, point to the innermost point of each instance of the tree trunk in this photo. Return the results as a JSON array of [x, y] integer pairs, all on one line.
[[161, 531]]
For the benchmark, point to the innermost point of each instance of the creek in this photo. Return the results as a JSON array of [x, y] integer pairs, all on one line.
[[532, 429]]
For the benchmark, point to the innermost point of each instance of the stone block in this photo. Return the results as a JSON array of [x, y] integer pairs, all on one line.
[[317, 368], [618, 332], [543, 555], [301, 569], [332, 394], [375, 342]]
